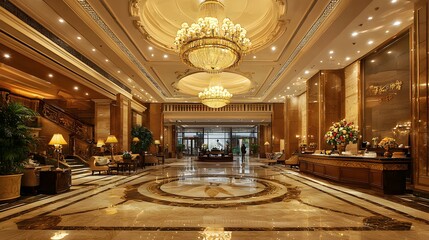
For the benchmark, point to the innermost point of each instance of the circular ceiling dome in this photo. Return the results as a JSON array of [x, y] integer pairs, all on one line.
[[195, 83], [160, 20]]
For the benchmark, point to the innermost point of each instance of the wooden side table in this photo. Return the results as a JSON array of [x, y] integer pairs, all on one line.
[[52, 182]]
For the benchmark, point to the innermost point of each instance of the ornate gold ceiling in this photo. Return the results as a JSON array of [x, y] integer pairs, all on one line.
[[159, 21]]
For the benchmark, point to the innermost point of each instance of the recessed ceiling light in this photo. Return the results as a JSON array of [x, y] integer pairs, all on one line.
[[330, 57], [370, 42], [76, 88], [79, 38], [87, 94], [331, 52], [165, 56], [370, 18], [134, 86], [338, 63], [321, 61], [61, 20], [150, 48], [393, 1], [273, 48], [93, 49], [106, 60], [129, 80], [288, 88], [358, 51], [152, 55], [275, 98], [347, 58], [254, 57], [387, 31], [354, 34], [6, 55], [306, 72], [397, 23], [372, 60], [315, 84], [50, 75]]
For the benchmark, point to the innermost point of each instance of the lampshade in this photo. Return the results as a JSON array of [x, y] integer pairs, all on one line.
[[100, 142], [111, 139], [157, 142], [136, 139], [266, 143], [57, 139]]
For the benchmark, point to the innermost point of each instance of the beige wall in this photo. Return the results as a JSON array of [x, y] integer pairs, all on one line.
[[102, 119]]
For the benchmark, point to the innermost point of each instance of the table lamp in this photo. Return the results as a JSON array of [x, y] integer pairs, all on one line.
[[111, 139], [157, 143], [58, 140], [267, 145]]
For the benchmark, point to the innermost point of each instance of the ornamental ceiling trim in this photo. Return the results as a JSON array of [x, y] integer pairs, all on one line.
[[326, 12], [99, 21], [157, 25], [10, 7]]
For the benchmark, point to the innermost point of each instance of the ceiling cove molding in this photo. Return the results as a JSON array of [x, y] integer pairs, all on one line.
[[326, 12], [11, 8], [97, 19]]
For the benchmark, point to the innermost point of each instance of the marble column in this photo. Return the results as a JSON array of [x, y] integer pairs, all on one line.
[[420, 99]]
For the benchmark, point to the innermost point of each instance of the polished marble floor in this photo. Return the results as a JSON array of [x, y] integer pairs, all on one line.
[[187, 199]]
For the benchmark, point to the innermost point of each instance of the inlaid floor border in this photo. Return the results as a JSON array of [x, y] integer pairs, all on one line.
[[355, 196]]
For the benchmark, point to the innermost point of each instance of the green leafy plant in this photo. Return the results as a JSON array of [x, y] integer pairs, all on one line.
[[254, 148], [145, 139], [180, 148], [15, 136]]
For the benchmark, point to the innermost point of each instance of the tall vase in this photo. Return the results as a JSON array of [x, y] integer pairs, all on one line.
[[341, 148], [387, 153]]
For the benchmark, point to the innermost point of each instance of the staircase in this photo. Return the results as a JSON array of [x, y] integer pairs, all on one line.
[[77, 167]]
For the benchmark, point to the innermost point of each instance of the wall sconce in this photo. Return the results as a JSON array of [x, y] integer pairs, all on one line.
[[58, 140], [111, 139]]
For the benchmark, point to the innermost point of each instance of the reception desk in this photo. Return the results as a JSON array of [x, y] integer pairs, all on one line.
[[385, 174]]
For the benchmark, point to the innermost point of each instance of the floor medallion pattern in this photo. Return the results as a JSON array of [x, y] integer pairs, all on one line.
[[210, 191]]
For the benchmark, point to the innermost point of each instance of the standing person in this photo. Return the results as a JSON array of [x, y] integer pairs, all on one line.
[[243, 150]]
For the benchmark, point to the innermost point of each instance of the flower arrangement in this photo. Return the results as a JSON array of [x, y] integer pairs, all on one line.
[[387, 142], [126, 155], [342, 132]]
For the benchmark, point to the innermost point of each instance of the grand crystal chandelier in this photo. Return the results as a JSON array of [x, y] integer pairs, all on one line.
[[209, 44], [215, 96]]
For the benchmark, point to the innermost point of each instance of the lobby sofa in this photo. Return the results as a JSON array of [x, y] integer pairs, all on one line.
[[101, 163]]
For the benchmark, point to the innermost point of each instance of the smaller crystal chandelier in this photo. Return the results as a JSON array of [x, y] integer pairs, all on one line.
[[215, 96], [211, 45]]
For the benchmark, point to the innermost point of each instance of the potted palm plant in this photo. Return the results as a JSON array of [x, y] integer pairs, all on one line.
[[15, 143], [179, 150]]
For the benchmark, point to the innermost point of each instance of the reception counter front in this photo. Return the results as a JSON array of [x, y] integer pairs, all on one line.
[[385, 174]]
